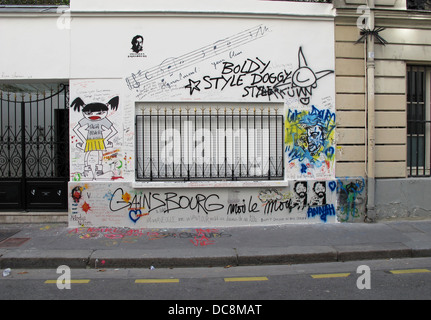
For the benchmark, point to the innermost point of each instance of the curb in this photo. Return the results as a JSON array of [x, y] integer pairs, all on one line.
[[164, 258], [34, 259]]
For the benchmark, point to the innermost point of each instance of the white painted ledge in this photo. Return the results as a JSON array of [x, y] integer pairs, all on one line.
[[213, 184], [206, 6]]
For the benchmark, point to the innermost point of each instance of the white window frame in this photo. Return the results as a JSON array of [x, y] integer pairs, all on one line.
[[170, 141]]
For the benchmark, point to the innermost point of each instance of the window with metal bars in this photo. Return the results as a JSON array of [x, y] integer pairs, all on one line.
[[209, 143], [418, 121]]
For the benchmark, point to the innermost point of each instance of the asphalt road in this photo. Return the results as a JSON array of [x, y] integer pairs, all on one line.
[[227, 290]]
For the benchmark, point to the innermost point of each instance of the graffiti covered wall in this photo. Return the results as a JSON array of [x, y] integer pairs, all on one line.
[[97, 150], [241, 68], [227, 61], [119, 204]]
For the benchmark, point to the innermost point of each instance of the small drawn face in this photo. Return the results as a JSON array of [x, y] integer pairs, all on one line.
[[95, 115], [315, 139]]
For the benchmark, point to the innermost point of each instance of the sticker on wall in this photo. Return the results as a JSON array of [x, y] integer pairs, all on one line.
[[96, 133], [137, 47]]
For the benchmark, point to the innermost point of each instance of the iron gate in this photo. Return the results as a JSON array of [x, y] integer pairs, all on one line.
[[34, 150]]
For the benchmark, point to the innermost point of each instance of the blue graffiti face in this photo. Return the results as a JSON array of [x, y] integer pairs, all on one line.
[[310, 135], [315, 138]]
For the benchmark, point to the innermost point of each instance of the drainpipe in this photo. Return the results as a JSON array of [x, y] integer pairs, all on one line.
[[370, 64]]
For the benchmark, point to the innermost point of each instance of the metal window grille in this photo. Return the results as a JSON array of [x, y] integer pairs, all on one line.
[[418, 121], [209, 144]]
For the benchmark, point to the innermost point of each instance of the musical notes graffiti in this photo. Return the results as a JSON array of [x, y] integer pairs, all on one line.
[[142, 80]]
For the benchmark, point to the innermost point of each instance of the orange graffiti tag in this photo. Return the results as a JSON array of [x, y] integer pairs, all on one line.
[[126, 197], [85, 207]]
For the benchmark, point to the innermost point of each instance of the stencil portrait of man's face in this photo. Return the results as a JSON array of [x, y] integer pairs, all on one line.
[[301, 189], [137, 43]]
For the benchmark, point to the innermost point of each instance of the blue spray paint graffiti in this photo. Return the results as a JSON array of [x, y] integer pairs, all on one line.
[[310, 140], [323, 212], [310, 134], [351, 193]]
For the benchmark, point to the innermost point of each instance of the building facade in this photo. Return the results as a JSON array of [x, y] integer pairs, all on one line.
[[188, 115], [383, 105]]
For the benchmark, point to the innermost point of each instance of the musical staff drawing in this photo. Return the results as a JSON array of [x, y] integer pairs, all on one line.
[[171, 65]]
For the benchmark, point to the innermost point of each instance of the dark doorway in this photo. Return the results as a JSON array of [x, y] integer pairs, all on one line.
[[34, 150]]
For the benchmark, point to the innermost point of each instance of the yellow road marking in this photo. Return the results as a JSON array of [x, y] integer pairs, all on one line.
[[245, 279], [157, 280], [330, 275], [409, 271], [68, 281]]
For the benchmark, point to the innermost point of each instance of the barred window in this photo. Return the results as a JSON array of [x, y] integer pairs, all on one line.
[[418, 120], [209, 142]]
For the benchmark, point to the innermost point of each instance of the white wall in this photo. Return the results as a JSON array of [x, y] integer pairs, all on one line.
[[33, 47]]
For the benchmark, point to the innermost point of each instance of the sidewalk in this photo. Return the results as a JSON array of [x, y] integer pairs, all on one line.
[[52, 245]]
